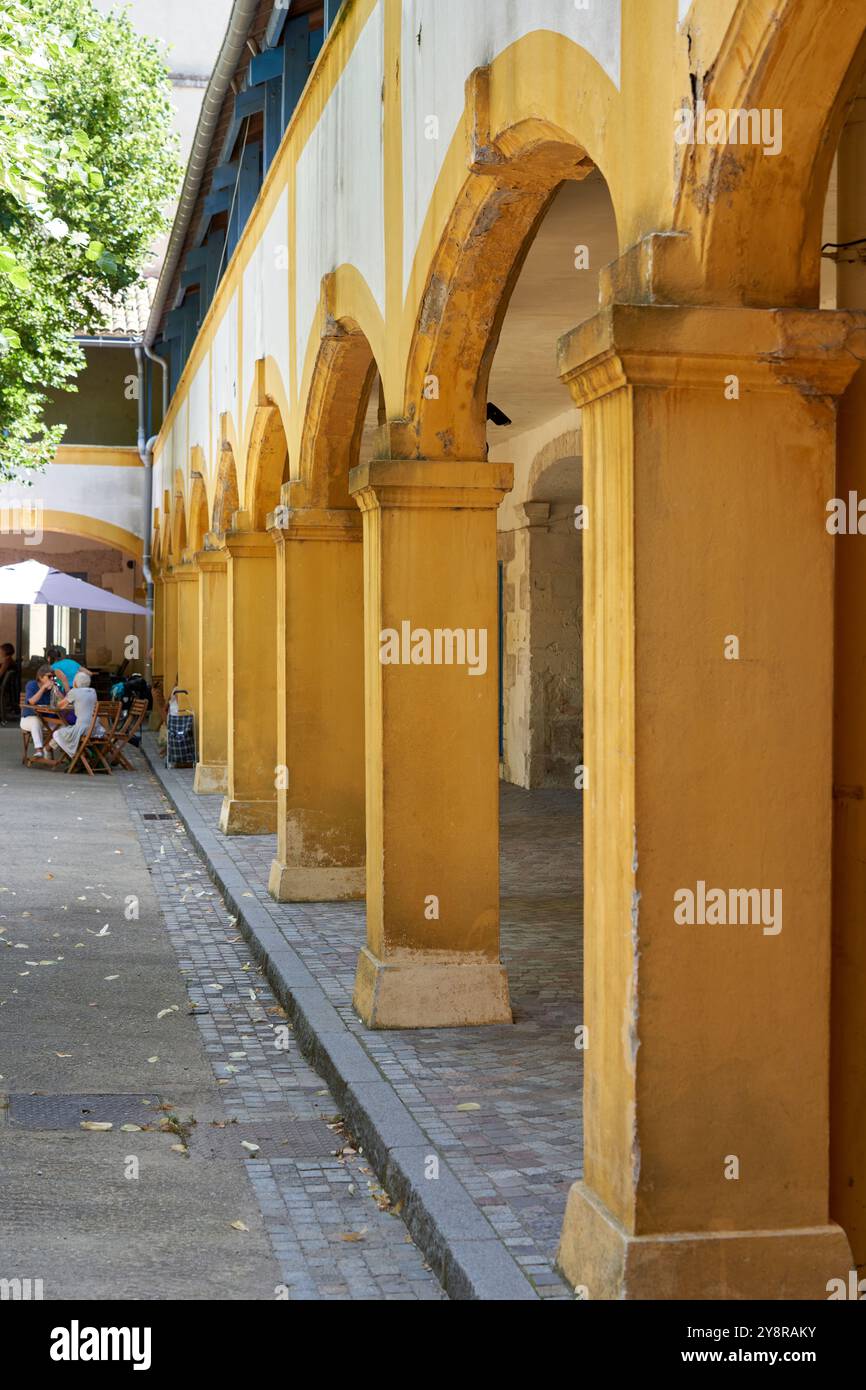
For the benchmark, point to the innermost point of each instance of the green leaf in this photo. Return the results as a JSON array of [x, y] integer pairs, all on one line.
[[19, 279]]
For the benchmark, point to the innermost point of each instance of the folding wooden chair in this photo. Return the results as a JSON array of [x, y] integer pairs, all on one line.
[[108, 714], [50, 720], [81, 756], [127, 730]]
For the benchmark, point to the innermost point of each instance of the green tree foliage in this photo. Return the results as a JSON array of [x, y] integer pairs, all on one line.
[[87, 163]]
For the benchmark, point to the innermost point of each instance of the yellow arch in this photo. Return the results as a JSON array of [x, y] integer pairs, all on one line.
[[198, 512], [93, 529], [345, 297], [806, 61]]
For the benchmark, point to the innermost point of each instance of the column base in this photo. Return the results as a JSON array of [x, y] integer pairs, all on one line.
[[293, 883], [248, 817], [597, 1254], [210, 778], [438, 994]]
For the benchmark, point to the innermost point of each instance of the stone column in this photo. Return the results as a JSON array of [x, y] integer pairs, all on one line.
[[158, 660], [250, 803], [187, 577], [848, 1018], [211, 773], [708, 619], [430, 606], [320, 702], [170, 599]]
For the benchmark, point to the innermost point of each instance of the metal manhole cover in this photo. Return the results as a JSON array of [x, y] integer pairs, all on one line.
[[276, 1139], [67, 1112]]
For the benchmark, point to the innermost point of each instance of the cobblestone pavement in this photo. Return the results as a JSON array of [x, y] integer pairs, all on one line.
[[129, 1003], [518, 1154], [326, 1215]]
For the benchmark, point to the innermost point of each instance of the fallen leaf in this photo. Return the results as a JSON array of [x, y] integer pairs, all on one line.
[[111, 977], [96, 1124], [153, 1059], [238, 1226], [469, 1105], [63, 1054], [172, 1009], [129, 1129], [253, 1148], [179, 1149], [353, 1235]]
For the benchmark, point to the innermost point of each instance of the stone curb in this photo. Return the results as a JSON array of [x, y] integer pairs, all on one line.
[[455, 1236]]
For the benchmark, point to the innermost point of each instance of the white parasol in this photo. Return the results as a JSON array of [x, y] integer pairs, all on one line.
[[31, 582]]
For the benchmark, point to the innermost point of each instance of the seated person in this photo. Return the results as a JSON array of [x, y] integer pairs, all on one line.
[[83, 701], [37, 696]]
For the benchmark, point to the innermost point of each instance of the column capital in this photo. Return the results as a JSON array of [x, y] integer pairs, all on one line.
[[813, 351], [297, 518], [315, 524], [430, 483], [210, 560], [252, 545]]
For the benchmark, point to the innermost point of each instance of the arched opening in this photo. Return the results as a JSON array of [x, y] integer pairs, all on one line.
[[801, 74], [475, 271], [268, 466], [338, 427], [541, 615]]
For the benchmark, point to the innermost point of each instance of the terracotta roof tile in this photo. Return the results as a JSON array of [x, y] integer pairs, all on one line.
[[127, 318]]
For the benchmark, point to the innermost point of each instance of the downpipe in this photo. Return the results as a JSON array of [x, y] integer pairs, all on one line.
[[145, 453]]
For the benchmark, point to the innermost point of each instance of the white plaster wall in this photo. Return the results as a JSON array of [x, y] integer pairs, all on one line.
[[340, 183], [252, 328], [225, 360], [114, 495], [522, 452], [266, 300], [180, 442], [457, 36], [275, 289], [175, 454], [199, 409]]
